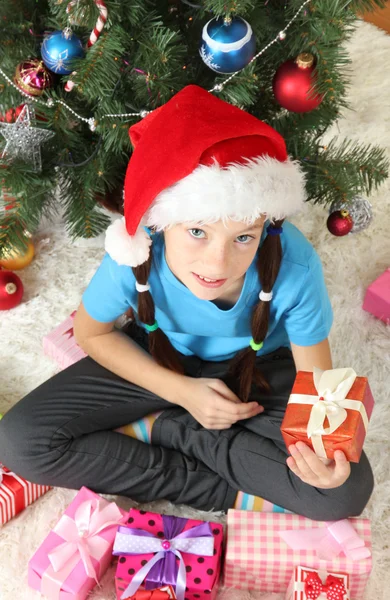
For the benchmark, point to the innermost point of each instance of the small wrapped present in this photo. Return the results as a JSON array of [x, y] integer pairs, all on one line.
[[16, 494], [164, 593], [61, 345], [309, 584], [377, 298], [157, 550], [77, 552], [263, 549], [329, 410]]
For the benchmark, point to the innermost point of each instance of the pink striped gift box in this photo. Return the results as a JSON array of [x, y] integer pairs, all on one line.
[[61, 345], [16, 494], [258, 558]]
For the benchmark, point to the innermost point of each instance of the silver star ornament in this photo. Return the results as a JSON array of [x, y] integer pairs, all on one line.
[[23, 140]]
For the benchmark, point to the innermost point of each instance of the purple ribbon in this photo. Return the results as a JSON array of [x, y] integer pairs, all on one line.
[[163, 569]]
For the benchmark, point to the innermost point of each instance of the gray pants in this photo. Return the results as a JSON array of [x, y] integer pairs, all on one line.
[[61, 434]]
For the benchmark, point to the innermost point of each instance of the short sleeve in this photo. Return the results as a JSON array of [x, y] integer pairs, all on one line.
[[310, 318], [111, 291]]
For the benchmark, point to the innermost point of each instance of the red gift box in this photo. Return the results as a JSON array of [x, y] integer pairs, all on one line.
[[163, 593], [16, 494], [310, 584], [329, 410]]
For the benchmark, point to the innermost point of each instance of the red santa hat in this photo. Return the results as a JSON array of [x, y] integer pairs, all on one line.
[[198, 159]]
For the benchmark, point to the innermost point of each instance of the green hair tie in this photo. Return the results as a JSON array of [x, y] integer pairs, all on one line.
[[255, 346], [151, 327]]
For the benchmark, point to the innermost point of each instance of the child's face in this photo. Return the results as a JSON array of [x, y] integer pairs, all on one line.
[[219, 252]]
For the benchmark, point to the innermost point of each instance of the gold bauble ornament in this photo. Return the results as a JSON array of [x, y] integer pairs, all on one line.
[[13, 260]]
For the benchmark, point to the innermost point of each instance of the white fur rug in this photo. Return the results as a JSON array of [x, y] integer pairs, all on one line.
[[56, 278]]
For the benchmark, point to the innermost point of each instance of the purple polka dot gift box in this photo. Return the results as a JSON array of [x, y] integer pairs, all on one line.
[[156, 550]]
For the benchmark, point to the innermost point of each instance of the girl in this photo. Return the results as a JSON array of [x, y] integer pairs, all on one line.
[[229, 302]]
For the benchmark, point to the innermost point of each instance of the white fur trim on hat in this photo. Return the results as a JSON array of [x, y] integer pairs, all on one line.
[[263, 185], [125, 249]]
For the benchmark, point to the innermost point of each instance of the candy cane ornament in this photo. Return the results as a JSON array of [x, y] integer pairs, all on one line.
[[102, 19], [95, 33]]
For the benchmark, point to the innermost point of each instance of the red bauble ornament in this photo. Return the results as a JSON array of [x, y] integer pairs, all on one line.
[[33, 77], [11, 114], [292, 82], [339, 222], [11, 290]]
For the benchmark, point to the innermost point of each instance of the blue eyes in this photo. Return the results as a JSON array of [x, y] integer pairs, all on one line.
[[243, 241], [200, 234], [196, 233]]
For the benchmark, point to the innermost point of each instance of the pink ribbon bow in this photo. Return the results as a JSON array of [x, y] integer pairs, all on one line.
[[328, 542], [81, 535], [82, 541], [334, 587]]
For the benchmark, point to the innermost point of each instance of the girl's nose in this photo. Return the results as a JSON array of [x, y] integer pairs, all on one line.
[[217, 259]]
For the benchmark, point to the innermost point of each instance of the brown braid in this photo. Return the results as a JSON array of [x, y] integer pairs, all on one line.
[[243, 367], [159, 345]]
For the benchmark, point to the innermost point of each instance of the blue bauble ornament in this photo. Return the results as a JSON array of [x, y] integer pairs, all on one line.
[[59, 49], [227, 45]]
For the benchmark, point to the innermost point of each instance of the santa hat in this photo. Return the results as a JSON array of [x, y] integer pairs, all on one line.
[[198, 159]]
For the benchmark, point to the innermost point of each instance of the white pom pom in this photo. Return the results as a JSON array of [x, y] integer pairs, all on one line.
[[126, 249]]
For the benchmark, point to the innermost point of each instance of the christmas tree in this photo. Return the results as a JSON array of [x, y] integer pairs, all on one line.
[[76, 74]]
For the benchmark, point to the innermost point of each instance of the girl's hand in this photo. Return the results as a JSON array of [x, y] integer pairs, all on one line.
[[213, 404], [314, 471]]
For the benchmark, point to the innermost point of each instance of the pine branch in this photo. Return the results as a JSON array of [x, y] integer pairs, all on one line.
[[83, 217], [344, 170]]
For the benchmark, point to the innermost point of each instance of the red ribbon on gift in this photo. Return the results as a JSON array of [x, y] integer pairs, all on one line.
[[151, 595], [334, 587]]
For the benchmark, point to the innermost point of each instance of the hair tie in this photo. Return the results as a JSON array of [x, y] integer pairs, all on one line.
[[255, 346], [265, 296], [271, 230], [151, 328], [140, 287]]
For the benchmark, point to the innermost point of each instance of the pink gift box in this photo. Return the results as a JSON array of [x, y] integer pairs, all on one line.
[[306, 580], [202, 570], [16, 494], [258, 557], [82, 540], [377, 298], [61, 345]]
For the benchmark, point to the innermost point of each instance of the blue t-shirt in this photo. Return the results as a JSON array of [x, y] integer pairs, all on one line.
[[300, 310]]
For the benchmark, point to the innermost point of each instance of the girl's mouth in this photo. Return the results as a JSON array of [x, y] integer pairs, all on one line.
[[209, 283]]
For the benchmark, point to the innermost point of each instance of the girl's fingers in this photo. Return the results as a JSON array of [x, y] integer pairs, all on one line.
[[315, 463], [299, 455], [342, 468], [240, 410], [292, 465]]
